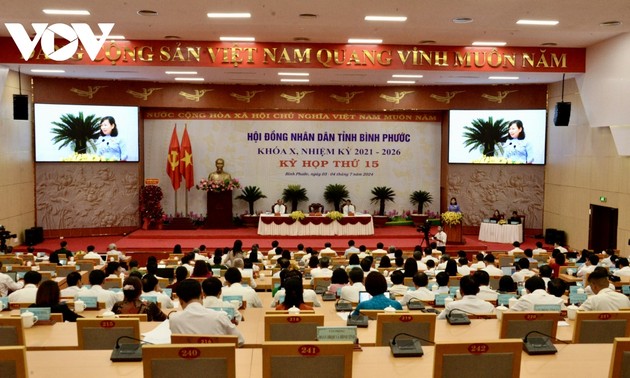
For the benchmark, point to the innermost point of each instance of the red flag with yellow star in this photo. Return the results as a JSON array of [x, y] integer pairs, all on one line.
[[186, 161], [172, 161]]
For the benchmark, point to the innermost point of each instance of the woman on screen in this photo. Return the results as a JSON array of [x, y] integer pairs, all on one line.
[[108, 144], [516, 148]]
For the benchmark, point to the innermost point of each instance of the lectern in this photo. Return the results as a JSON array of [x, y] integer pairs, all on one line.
[[219, 210]]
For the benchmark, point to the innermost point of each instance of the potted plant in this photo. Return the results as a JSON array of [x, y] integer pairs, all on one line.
[[76, 131], [335, 193], [381, 195], [420, 197], [151, 211], [486, 135], [250, 194], [294, 194]]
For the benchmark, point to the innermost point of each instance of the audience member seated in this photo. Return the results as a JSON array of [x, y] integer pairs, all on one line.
[[605, 299], [522, 270], [410, 267], [506, 285], [479, 262], [351, 249], [398, 287], [354, 261], [536, 295], [420, 281], [131, 304], [589, 266], [48, 295], [233, 279], [97, 277], [490, 268], [623, 268], [338, 280], [539, 250], [197, 320], [7, 284], [557, 260], [91, 254], [323, 270], [545, 273], [469, 303], [308, 295], [151, 287], [442, 279], [557, 287], [327, 248], [366, 265], [212, 288], [294, 294], [462, 266], [376, 285], [451, 268], [201, 270], [54, 256], [28, 293], [181, 273], [517, 248], [485, 292], [73, 282], [351, 293], [385, 262]]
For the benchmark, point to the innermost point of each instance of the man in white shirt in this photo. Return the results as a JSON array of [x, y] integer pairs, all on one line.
[[151, 288], [420, 281], [97, 277], [351, 293], [539, 250], [348, 208], [379, 248], [279, 207], [517, 248], [536, 295], [428, 255], [605, 299], [440, 239], [479, 262], [7, 284], [624, 269], [112, 251], [589, 266], [490, 268], [524, 273], [560, 248], [469, 303], [327, 249], [233, 278], [73, 282], [197, 320], [212, 289], [417, 255], [323, 270], [351, 249], [91, 254], [28, 293], [462, 266], [272, 251], [485, 292], [398, 288]]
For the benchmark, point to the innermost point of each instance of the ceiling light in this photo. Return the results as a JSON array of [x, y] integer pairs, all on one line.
[[486, 43], [180, 72], [502, 77], [147, 12], [67, 12], [365, 41], [237, 39], [308, 15], [229, 15], [407, 76], [610, 23], [189, 79], [36, 70], [400, 82], [293, 74], [172, 37], [462, 20], [386, 18], [549, 44], [427, 42], [538, 22], [301, 39], [294, 80]]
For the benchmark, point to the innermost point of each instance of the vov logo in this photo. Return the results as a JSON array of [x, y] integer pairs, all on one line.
[[73, 33]]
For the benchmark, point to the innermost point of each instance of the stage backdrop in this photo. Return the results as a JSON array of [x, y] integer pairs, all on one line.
[[275, 149]]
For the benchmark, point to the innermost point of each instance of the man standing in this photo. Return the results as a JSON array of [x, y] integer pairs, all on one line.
[[440, 239]]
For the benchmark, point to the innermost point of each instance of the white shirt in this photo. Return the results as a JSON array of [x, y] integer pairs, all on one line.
[[308, 295], [480, 265], [161, 297], [351, 250], [539, 251], [440, 238], [328, 249], [246, 292], [522, 275], [216, 302], [70, 291], [427, 258], [585, 270], [92, 255], [24, 295], [351, 293], [515, 249], [321, 272], [7, 284], [421, 293], [197, 320], [399, 289], [493, 270], [421, 266], [463, 270], [109, 297], [279, 209], [469, 303], [606, 300], [487, 294], [538, 297], [623, 272], [347, 209]]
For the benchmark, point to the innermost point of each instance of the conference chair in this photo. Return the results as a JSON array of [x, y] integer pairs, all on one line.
[[321, 283], [315, 208], [419, 325], [63, 271], [275, 281], [378, 255], [178, 338], [285, 327], [112, 283], [13, 362], [95, 333], [497, 359], [620, 363], [11, 331], [506, 260], [329, 359], [86, 265], [47, 267], [209, 360], [11, 260], [21, 268], [601, 327], [454, 281], [519, 324]]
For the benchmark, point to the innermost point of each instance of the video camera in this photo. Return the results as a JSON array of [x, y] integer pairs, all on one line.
[[4, 235]]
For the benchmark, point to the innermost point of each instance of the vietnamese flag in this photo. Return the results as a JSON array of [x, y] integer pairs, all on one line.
[[172, 161], [186, 161]]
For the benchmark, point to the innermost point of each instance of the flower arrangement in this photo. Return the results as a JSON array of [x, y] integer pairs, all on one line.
[[150, 207], [334, 215], [452, 218], [494, 160], [86, 158], [218, 186], [297, 215], [502, 221]]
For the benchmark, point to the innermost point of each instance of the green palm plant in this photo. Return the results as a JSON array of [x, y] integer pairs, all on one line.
[[335, 193], [381, 195], [420, 197], [486, 135], [251, 194], [294, 194], [76, 131]]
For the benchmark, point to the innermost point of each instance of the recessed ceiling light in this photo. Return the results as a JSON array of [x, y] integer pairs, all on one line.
[[293, 74], [386, 18], [301, 39], [36, 70], [172, 37], [294, 80], [147, 12], [400, 82], [462, 20], [610, 23], [67, 12], [427, 42], [365, 41], [488, 43], [229, 15], [407, 76], [237, 39], [308, 15], [180, 72], [549, 44], [538, 22], [502, 77], [189, 79]]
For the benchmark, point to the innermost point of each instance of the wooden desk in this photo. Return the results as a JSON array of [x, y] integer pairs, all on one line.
[[578, 360]]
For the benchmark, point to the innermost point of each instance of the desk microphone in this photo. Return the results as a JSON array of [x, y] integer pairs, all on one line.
[[359, 321], [415, 304], [460, 318], [343, 305], [127, 351], [540, 345], [407, 347]]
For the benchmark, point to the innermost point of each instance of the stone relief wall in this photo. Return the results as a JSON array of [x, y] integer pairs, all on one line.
[[480, 189], [87, 195]]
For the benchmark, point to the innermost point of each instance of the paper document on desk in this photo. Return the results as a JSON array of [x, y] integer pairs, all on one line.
[[343, 315], [563, 323], [159, 335]]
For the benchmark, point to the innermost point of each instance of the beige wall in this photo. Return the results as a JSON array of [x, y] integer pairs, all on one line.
[[582, 165], [17, 205]]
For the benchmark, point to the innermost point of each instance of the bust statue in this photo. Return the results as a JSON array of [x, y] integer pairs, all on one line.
[[219, 175]]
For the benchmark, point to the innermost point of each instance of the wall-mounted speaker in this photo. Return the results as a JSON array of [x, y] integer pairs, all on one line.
[[20, 107], [562, 114]]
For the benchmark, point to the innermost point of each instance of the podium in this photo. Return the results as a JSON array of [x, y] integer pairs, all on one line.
[[219, 207], [454, 234]]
